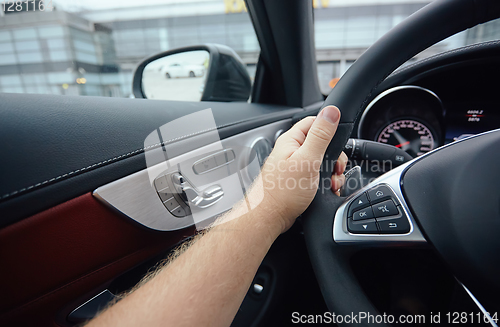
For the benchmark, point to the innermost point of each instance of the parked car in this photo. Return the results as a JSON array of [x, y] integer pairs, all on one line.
[[182, 70]]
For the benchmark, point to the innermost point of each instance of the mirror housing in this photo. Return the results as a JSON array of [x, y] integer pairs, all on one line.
[[226, 77]]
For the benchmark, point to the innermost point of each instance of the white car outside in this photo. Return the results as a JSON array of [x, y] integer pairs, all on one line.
[[180, 70]]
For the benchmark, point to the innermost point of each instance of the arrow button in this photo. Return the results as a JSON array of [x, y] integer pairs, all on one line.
[[362, 227], [358, 203]]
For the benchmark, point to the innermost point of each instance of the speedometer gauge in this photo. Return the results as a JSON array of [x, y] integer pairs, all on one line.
[[410, 135]]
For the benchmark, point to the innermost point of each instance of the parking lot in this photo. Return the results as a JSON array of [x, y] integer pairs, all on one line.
[[158, 87]]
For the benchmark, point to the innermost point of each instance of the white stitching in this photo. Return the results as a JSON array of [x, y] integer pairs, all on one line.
[[118, 157]]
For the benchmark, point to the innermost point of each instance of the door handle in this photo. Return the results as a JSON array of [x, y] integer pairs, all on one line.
[[203, 199], [208, 197]]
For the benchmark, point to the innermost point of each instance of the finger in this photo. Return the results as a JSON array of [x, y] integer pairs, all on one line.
[[321, 133], [341, 164], [292, 139], [337, 181], [298, 132]]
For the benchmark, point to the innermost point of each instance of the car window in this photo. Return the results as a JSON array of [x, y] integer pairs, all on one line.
[[91, 47], [344, 29]]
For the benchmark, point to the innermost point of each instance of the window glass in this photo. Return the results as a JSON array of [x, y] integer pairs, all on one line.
[[10, 80], [58, 55], [93, 47], [6, 47], [345, 29], [8, 59], [51, 31], [25, 34], [27, 45], [29, 57], [56, 43], [5, 36]]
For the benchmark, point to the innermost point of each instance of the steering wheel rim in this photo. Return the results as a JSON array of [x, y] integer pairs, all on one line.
[[433, 23]]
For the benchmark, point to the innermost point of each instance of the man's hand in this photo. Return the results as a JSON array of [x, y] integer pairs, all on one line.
[[290, 176]]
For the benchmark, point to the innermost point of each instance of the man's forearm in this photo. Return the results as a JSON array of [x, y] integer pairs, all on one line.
[[206, 284]]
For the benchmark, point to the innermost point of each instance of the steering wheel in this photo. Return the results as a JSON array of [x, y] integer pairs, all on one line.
[[447, 198]]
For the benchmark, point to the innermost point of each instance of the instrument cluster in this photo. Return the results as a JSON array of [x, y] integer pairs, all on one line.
[[408, 117]]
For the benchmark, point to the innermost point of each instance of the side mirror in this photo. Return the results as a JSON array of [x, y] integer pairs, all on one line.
[[210, 72]]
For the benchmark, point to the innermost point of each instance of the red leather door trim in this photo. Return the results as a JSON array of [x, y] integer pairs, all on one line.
[[55, 256]]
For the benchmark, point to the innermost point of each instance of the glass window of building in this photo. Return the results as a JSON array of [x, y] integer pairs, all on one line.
[[344, 29], [93, 47]]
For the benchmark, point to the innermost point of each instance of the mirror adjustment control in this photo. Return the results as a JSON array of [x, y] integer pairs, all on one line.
[[365, 213], [394, 225], [385, 209], [360, 202], [380, 193], [363, 226]]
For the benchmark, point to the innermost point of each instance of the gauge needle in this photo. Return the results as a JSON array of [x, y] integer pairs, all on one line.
[[402, 141], [402, 144]]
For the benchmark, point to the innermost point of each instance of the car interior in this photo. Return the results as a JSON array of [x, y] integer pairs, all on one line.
[[96, 192]]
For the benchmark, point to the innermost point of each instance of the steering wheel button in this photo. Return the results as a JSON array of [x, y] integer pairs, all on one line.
[[362, 227], [362, 214], [358, 203], [384, 209], [399, 225], [380, 193]]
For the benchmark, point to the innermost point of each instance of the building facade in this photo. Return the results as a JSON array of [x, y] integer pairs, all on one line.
[[94, 52]]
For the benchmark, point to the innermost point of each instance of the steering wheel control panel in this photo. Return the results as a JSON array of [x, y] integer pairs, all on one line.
[[377, 211], [377, 214]]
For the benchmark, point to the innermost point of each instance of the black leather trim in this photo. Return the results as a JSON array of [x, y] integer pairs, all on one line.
[[55, 148]]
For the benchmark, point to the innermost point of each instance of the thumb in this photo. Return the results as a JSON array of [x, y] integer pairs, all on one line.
[[321, 132]]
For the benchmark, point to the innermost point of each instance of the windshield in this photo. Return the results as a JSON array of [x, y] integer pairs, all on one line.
[[344, 29], [91, 47]]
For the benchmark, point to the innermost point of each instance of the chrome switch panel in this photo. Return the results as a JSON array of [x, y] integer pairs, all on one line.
[[170, 197], [155, 198], [214, 161]]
